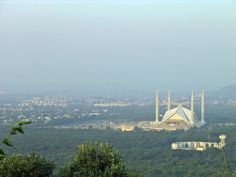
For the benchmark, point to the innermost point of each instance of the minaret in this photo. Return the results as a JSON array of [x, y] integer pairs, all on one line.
[[169, 100], [157, 107], [192, 105], [202, 108]]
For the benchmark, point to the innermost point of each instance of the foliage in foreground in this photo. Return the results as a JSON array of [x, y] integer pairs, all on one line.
[[7, 139], [92, 160], [98, 160], [32, 165]]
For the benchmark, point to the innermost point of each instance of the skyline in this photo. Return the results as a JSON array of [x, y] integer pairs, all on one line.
[[117, 46]]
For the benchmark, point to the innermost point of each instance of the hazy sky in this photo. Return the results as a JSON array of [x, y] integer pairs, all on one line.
[[117, 45]]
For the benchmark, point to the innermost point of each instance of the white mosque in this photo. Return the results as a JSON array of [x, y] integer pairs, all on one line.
[[179, 117], [174, 118]]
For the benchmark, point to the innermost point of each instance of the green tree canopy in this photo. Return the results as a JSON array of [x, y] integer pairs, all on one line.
[[31, 165], [98, 160]]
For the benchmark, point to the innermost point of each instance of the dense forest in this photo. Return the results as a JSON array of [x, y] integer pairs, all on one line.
[[148, 153]]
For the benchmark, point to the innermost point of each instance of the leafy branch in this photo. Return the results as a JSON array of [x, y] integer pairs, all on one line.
[[17, 129]]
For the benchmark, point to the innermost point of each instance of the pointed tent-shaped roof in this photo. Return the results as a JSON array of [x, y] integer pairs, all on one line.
[[183, 114]]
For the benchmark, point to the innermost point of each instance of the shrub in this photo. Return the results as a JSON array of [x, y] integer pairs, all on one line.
[[31, 165], [98, 160]]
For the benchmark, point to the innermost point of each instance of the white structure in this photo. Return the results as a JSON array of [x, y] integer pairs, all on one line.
[[173, 119], [180, 117], [157, 107], [202, 108], [169, 101], [198, 145]]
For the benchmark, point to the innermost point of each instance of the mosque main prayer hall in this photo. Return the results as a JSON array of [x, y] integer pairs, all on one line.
[[180, 117], [175, 118]]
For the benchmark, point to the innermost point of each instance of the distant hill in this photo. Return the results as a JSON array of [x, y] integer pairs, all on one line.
[[225, 92]]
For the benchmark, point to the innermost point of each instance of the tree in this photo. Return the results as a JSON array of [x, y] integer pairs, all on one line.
[[98, 160], [31, 165]]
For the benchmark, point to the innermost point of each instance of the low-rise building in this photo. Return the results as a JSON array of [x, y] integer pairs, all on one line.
[[199, 145]]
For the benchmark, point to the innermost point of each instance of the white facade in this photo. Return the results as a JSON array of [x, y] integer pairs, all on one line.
[[199, 145], [180, 117]]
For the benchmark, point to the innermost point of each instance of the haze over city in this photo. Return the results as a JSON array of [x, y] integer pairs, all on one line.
[[117, 45], [117, 88]]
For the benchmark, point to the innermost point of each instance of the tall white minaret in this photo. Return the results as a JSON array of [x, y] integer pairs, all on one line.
[[157, 107], [192, 105], [169, 100], [203, 108]]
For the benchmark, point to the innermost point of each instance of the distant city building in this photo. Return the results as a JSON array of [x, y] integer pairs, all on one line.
[[111, 104], [198, 145], [126, 128], [45, 101]]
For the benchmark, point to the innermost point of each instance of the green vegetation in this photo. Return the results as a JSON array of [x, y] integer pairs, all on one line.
[[98, 160], [92, 160], [7, 140], [148, 153], [32, 165]]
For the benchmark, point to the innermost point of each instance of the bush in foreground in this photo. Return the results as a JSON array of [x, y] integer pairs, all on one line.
[[32, 165], [98, 160]]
